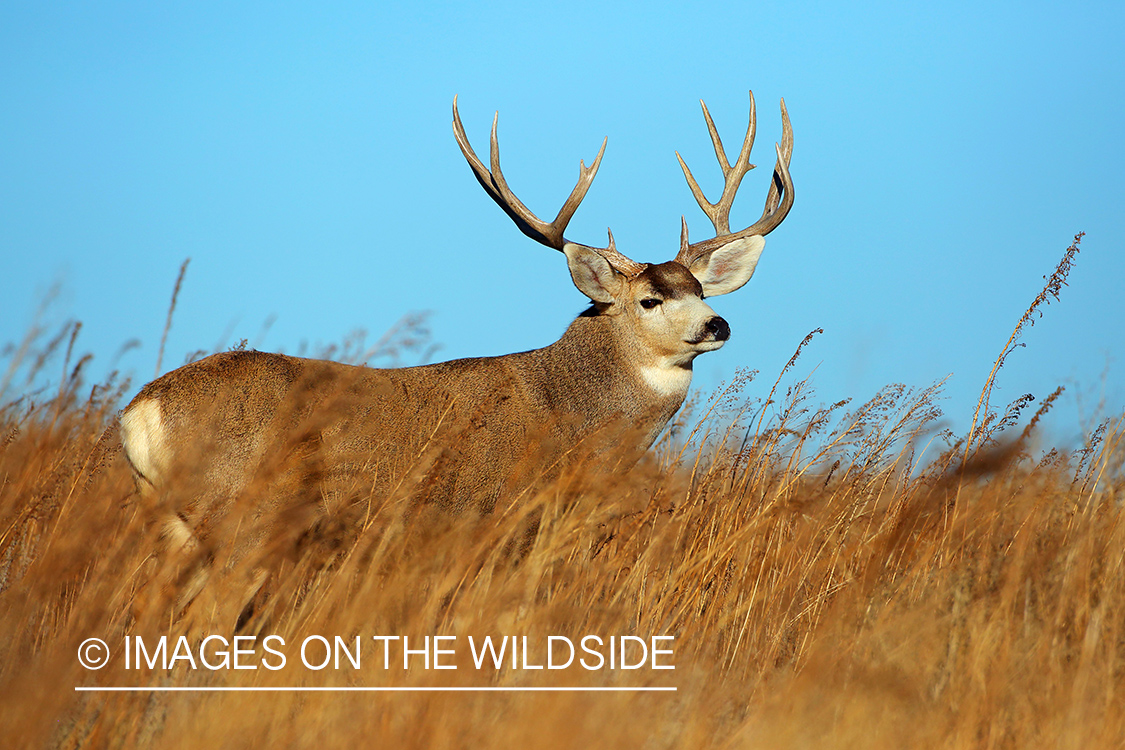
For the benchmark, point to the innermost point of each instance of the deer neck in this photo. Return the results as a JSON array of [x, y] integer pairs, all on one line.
[[607, 365]]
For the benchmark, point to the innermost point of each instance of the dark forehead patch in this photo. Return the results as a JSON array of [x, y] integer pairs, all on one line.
[[671, 280]]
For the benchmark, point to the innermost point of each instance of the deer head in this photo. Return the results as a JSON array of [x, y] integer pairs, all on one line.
[[659, 307]]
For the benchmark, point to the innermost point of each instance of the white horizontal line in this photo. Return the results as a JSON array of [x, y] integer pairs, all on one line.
[[451, 689]]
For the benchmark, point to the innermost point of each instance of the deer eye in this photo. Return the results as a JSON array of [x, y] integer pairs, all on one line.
[[650, 302]]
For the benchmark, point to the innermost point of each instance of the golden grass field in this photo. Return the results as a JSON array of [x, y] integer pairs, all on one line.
[[840, 575]]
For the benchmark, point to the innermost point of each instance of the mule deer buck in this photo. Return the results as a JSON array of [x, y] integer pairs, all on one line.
[[479, 427]]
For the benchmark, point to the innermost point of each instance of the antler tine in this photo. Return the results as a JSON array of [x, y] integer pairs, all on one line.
[[777, 186], [716, 141], [779, 200], [622, 263], [493, 182], [497, 189], [719, 212], [585, 179]]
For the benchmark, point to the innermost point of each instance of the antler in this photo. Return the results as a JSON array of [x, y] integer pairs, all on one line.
[[551, 235], [778, 201]]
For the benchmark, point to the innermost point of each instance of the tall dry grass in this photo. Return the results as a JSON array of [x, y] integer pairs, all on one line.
[[827, 585]]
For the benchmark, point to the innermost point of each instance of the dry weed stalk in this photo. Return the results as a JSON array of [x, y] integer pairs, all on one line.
[[171, 310], [1051, 290]]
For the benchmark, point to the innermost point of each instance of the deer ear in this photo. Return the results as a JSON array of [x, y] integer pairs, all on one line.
[[729, 267], [592, 274]]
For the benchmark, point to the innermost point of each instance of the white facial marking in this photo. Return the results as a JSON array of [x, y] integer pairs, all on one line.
[[142, 433], [685, 319]]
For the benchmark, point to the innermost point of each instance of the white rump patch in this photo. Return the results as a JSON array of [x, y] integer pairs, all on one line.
[[142, 434], [177, 534]]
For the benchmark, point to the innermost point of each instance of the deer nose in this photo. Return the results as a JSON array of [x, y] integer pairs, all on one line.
[[719, 328]]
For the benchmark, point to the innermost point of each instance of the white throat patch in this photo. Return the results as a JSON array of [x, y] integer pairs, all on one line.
[[667, 380]]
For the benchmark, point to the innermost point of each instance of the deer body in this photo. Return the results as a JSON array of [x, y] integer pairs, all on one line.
[[483, 409], [476, 429]]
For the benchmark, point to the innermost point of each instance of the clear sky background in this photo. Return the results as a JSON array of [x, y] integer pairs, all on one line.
[[302, 156]]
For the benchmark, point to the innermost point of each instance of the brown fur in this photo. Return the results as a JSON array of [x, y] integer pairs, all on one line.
[[237, 415]]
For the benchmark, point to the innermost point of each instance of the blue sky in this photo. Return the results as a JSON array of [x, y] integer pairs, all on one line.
[[302, 156]]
